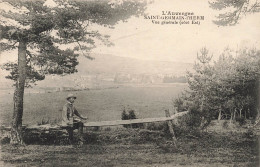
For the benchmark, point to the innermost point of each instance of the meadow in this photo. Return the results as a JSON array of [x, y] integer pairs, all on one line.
[[140, 148], [98, 105], [124, 147]]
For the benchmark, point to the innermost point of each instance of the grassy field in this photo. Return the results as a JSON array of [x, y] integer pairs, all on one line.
[[123, 147], [98, 105], [140, 147]]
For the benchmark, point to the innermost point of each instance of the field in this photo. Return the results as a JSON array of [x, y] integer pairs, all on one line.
[[98, 105], [140, 147], [120, 146]]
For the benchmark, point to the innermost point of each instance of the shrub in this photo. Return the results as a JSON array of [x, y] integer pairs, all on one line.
[[124, 115], [225, 124], [190, 121], [249, 133], [158, 126], [5, 140], [131, 115], [241, 121], [45, 137], [148, 135]]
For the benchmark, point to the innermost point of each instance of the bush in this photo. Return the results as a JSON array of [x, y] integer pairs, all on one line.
[[241, 121], [148, 135], [131, 115], [249, 133], [45, 137], [190, 121], [158, 126], [124, 115], [5, 140], [225, 125]]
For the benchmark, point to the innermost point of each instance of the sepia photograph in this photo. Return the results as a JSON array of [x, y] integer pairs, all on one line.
[[129, 83]]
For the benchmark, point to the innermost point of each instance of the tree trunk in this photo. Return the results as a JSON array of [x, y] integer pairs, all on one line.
[[231, 118], [219, 115], [235, 114], [16, 131]]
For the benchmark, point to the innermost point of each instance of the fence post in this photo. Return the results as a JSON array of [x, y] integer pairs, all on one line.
[[170, 125]]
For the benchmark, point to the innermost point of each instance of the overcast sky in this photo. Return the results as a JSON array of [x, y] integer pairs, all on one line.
[[140, 38]]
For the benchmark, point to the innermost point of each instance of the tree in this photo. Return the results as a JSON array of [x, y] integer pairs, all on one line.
[[39, 31], [222, 84], [229, 86], [247, 81], [200, 80], [237, 8]]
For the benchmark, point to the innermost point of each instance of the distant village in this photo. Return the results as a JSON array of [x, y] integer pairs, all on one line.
[[106, 80], [148, 78]]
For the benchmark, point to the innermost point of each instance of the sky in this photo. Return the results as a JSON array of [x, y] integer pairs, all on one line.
[[140, 38]]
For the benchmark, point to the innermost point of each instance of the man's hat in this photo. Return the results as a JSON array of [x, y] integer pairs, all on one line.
[[71, 96]]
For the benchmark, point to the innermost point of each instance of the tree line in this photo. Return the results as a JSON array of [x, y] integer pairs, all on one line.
[[174, 79], [227, 88]]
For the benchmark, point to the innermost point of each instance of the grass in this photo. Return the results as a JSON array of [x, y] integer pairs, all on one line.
[[120, 146], [140, 147], [98, 105]]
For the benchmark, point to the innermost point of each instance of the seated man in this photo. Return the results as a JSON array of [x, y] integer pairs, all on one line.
[[69, 120]]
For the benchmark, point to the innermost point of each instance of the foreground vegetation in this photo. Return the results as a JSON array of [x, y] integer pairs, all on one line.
[[139, 147]]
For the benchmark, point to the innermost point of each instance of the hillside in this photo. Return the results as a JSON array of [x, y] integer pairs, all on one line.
[[105, 63], [105, 67]]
